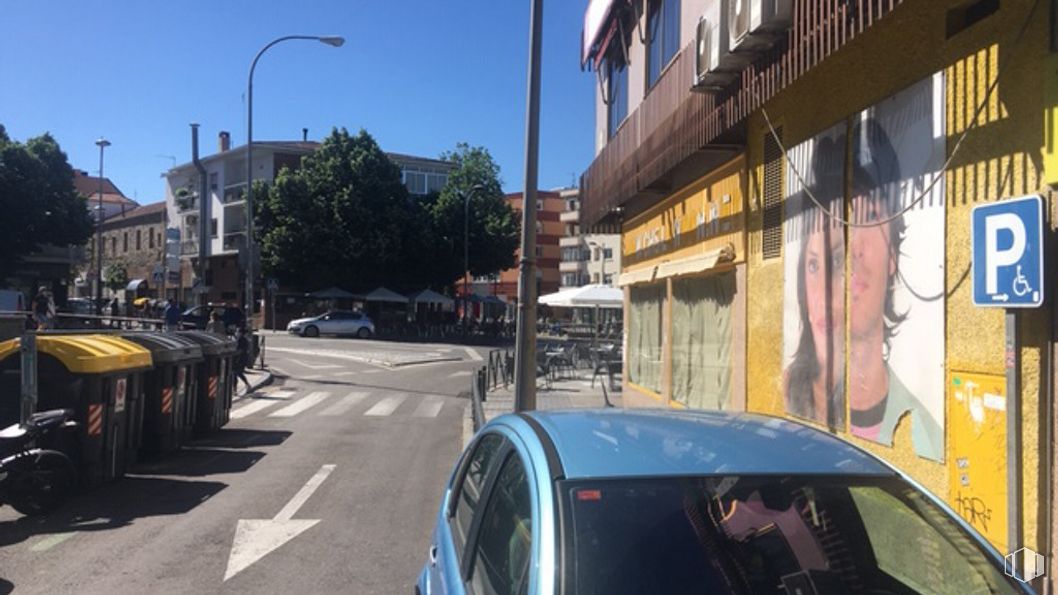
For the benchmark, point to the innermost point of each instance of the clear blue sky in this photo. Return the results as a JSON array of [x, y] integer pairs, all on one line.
[[419, 75]]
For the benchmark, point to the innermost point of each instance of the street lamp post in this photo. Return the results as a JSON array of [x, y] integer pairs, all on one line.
[[331, 40], [466, 251], [102, 143]]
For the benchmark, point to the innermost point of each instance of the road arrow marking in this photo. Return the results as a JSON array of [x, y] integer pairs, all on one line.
[[256, 538]]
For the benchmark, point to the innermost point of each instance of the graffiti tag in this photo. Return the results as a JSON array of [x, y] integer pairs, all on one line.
[[974, 510]]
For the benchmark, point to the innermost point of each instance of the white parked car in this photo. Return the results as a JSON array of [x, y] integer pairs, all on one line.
[[335, 322]]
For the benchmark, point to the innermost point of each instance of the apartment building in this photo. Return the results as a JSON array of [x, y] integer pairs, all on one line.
[[586, 257], [135, 241], [768, 161], [225, 173]]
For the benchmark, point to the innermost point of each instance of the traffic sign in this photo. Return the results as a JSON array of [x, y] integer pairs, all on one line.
[[1007, 256], [273, 284]]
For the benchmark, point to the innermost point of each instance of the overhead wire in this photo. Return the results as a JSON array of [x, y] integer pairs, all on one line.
[[958, 144]]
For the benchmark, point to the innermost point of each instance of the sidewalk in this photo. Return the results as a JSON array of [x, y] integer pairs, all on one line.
[[257, 378], [565, 393]]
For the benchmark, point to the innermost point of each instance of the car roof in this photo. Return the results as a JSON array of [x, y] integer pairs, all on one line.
[[610, 443]]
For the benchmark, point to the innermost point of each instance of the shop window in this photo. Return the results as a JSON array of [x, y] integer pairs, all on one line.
[[701, 341], [773, 193], [644, 336], [616, 92]]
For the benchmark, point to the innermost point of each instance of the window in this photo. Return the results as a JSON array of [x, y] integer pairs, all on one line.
[[213, 227], [150, 239], [616, 93], [607, 253], [213, 181], [125, 242], [504, 546], [539, 227], [435, 182], [415, 181], [607, 279], [539, 251], [701, 341], [113, 245], [138, 245], [467, 494], [663, 36], [644, 336], [539, 205], [571, 205]]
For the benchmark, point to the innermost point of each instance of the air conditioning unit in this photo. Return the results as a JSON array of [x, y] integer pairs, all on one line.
[[756, 25], [715, 65]]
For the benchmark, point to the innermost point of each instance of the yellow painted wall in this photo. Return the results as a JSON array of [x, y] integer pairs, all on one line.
[[1001, 158]]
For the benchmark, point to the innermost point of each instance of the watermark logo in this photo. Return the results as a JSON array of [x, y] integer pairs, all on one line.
[[1024, 565]]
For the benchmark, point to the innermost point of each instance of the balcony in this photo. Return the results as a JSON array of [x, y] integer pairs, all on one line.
[[234, 194], [235, 242], [186, 204], [676, 134], [569, 216], [189, 248], [570, 241], [572, 266]]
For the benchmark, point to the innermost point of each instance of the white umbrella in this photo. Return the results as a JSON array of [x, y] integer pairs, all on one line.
[[602, 296]]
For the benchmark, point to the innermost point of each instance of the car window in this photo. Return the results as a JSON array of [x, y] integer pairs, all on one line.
[[468, 492], [768, 534], [504, 545]]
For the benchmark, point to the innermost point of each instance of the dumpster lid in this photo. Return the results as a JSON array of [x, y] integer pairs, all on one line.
[[166, 347], [211, 343], [87, 354]]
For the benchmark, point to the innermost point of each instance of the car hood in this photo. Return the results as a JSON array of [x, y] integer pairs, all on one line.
[[298, 321]]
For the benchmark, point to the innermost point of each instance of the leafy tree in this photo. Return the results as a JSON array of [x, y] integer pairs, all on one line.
[[493, 227], [344, 218], [37, 198], [115, 277]]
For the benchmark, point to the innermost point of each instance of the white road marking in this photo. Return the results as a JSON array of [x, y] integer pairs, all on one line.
[[371, 371], [51, 541], [460, 373], [301, 404], [386, 406], [348, 373], [314, 366], [251, 408], [255, 539], [474, 355], [344, 404], [430, 407]]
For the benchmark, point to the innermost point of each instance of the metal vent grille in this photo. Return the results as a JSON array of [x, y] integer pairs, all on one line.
[[773, 163]]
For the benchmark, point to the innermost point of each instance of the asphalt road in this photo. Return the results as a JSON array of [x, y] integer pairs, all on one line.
[[326, 481]]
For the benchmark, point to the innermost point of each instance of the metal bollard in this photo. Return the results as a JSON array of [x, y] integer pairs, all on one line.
[[262, 366]]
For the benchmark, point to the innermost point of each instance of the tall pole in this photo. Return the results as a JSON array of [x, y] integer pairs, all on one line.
[[102, 143], [330, 40], [525, 350], [466, 260]]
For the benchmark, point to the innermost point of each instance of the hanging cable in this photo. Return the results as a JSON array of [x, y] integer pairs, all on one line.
[[973, 124]]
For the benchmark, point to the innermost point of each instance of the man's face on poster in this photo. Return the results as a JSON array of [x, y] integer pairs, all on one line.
[[873, 265]]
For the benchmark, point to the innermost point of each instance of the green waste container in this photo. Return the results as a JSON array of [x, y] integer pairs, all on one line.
[[215, 380], [100, 377], [168, 413]]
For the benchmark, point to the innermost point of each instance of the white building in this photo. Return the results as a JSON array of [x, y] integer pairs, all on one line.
[[586, 257]]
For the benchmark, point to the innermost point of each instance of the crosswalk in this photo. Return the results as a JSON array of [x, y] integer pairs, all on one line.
[[285, 403]]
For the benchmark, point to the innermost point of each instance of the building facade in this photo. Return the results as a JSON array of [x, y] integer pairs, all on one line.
[[135, 241], [794, 202], [586, 257]]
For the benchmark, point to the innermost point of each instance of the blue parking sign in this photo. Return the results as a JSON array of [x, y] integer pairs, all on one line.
[[1008, 253]]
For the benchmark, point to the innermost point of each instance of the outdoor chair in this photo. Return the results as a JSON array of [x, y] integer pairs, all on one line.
[[606, 361]]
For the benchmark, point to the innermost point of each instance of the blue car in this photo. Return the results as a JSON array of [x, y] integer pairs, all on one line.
[[652, 502]]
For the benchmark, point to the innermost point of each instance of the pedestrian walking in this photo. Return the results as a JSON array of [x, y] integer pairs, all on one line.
[[242, 355], [216, 325], [172, 316], [43, 309]]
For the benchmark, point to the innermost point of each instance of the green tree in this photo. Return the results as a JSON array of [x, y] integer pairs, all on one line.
[[38, 200], [344, 218], [115, 277], [493, 226]]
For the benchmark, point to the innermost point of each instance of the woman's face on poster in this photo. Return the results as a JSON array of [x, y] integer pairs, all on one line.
[[825, 261], [873, 265]]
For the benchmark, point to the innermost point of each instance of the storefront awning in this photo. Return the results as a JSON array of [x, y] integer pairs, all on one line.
[[136, 284], [640, 276], [690, 266]]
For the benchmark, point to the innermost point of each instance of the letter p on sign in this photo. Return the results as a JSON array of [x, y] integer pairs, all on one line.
[[1007, 238]]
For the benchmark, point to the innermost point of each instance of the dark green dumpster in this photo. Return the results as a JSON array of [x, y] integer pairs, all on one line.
[[168, 412], [100, 377], [214, 377]]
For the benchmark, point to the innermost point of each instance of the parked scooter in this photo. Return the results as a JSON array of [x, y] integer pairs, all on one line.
[[35, 480]]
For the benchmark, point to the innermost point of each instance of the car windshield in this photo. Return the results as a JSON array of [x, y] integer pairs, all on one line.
[[767, 535]]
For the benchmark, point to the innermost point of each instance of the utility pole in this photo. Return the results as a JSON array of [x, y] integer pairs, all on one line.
[[525, 350]]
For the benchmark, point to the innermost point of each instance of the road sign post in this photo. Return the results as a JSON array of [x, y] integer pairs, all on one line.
[[1007, 263]]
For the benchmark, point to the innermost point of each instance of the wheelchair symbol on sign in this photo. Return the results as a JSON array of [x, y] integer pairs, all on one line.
[[1021, 285]]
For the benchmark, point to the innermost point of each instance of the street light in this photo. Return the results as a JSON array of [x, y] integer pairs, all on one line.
[[466, 250], [102, 143], [331, 40]]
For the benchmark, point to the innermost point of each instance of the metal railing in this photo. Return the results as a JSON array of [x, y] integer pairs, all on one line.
[[477, 397], [500, 369]]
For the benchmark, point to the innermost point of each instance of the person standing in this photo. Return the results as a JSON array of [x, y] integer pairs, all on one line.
[[43, 309], [172, 316], [216, 325]]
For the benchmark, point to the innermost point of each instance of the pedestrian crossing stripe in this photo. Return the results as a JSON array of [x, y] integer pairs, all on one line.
[[344, 404], [429, 406], [302, 404], [386, 406]]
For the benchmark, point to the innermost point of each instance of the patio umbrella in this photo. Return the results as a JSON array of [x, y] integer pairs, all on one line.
[[331, 293], [384, 295], [429, 296], [601, 296]]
